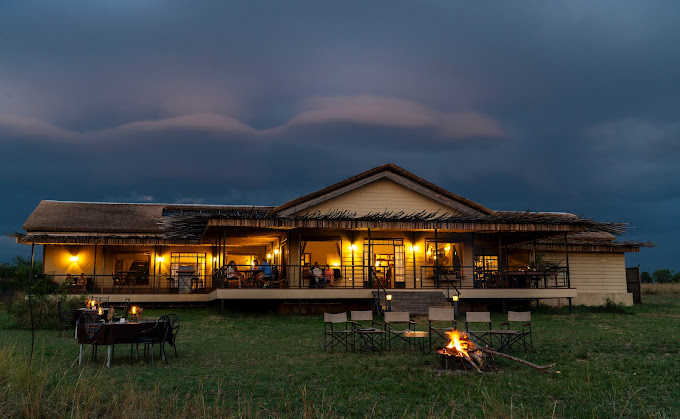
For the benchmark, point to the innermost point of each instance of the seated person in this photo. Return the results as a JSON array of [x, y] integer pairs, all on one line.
[[233, 273], [317, 274], [265, 274], [329, 276], [82, 280]]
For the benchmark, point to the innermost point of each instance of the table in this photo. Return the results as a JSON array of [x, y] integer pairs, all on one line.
[[110, 334], [533, 276], [416, 339], [370, 340], [504, 338]]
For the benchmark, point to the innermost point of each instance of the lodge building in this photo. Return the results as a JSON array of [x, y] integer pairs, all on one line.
[[383, 232]]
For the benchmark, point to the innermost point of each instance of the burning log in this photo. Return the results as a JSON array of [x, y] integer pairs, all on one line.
[[461, 347]]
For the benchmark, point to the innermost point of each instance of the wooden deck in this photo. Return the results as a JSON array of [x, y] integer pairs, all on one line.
[[331, 294]]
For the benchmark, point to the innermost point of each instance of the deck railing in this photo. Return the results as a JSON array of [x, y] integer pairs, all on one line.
[[344, 277]]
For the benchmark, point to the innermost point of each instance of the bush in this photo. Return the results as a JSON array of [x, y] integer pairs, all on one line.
[[646, 278], [663, 276], [14, 277], [45, 310]]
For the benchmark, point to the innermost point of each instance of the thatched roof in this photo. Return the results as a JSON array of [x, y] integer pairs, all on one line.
[[59, 216], [586, 242]]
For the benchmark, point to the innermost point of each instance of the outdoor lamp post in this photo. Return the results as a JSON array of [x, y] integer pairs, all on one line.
[[388, 297], [454, 299]]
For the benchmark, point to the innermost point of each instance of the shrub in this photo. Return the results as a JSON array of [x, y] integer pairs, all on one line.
[[45, 315]]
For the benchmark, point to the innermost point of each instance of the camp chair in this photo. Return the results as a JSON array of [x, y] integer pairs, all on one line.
[[85, 320], [172, 334], [337, 331], [394, 318], [480, 337], [64, 317], [440, 314], [523, 317], [155, 335]]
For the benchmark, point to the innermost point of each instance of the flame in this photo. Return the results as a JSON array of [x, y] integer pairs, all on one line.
[[134, 310], [101, 311], [461, 348]]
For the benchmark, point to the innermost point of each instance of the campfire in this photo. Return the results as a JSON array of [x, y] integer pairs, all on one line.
[[461, 352]]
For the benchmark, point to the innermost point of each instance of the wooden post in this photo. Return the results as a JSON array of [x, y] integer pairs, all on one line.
[[370, 262], [436, 259]]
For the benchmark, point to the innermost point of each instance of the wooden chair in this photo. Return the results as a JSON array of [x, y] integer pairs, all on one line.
[[395, 318], [440, 314], [524, 318], [337, 331], [481, 337]]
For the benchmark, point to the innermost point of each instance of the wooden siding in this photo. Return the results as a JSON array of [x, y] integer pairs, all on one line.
[[379, 196], [595, 272]]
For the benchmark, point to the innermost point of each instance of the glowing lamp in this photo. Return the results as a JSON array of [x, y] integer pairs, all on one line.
[[336, 264], [276, 251], [415, 248], [388, 297], [74, 259], [454, 298], [269, 255], [159, 259], [353, 247], [101, 311]]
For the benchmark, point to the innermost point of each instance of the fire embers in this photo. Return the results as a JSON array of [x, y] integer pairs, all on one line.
[[461, 353]]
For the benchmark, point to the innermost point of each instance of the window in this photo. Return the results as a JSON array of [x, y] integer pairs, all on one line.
[[447, 254], [135, 264], [187, 263]]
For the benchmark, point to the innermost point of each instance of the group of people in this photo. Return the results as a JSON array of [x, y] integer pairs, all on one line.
[[322, 277], [79, 283], [262, 275]]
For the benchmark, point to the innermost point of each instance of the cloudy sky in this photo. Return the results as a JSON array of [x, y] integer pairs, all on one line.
[[547, 106]]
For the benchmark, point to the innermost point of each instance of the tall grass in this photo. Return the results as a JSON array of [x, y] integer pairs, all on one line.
[[661, 289]]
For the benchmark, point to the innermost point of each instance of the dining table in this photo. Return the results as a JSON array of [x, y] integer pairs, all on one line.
[[112, 333]]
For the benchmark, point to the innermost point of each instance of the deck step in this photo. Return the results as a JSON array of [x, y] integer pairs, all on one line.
[[416, 302]]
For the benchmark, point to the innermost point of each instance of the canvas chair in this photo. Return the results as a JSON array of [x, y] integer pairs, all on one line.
[[480, 337], [363, 319], [524, 319], [440, 314], [396, 318], [337, 331]]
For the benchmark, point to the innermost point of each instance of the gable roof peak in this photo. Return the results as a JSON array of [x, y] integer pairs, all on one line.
[[375, 173]]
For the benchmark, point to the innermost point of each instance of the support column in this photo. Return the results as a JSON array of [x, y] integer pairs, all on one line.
[[436, 258], [370, 262]]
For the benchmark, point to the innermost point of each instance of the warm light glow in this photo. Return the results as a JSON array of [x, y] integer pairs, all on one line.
[[388, 297], [353, 247], [415, 248], [377, 264], [336, 264], [447, 248], [276, 251], [159, 259], [133, 310], [269, 255], [101, 311], [214, 258], [74, 259], [456, 344], [454, 298]]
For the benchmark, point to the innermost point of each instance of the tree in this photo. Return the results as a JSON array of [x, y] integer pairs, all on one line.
[[646, 278], [663, 276]]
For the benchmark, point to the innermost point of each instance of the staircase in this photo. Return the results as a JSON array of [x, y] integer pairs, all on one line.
[[415, 302]]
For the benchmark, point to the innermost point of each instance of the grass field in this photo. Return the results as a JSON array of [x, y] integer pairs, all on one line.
[[616, 363]]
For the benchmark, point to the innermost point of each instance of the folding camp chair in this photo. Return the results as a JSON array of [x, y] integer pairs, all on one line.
[[480, 337], [436, 331], [523, 317], [337, 331], [395, 318]]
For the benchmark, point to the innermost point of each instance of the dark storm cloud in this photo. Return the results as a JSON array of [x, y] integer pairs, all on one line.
[[567, 106]]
